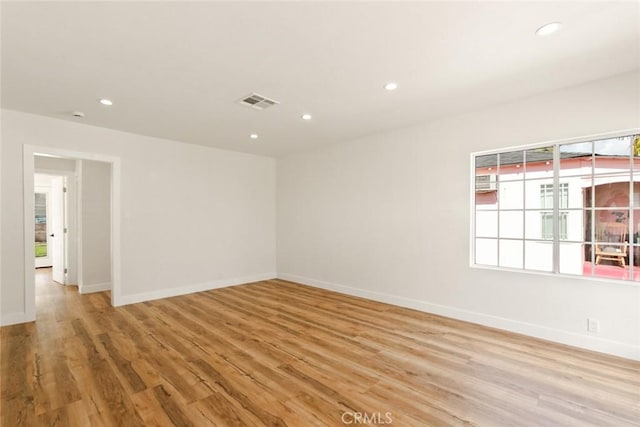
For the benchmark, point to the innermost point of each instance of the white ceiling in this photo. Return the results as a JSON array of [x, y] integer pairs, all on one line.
[[176, 69]]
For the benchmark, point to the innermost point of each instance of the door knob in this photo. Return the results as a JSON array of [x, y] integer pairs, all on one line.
[[52, 235]]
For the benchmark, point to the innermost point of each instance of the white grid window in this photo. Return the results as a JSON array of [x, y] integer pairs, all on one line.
[[568, 208]]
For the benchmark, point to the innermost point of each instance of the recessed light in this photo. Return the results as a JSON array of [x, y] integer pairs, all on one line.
[[253, 136], [549, 28], [306, 116], [391, 86], [105, 101]]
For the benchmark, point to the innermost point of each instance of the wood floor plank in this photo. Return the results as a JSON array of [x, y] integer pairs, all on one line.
[[218, 410], [170, 407], [123, 365], [278, 353], [57, 417]]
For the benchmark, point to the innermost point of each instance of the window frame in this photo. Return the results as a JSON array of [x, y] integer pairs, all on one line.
[[555, 272]]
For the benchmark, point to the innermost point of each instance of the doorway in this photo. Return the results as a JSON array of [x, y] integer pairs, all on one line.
[[69, 246], [55, 223]]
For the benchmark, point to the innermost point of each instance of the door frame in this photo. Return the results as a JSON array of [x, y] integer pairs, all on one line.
[[29, 151]]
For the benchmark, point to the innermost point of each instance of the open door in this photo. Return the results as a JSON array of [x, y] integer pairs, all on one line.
[[57, 230]]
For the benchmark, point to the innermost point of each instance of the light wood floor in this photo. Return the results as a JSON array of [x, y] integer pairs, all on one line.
[[277, 353]]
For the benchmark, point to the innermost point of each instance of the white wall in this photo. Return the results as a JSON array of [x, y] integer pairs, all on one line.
[[95, 184], [387, 217], [40, 180], [192, 217], [54, 164]]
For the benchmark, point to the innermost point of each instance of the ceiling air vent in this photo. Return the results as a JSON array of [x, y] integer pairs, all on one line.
[[257, 102]]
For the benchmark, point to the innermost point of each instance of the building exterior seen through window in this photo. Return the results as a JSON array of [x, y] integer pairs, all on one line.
[[568, 208], [546, 216]]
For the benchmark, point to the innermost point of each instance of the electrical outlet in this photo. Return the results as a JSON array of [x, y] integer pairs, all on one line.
[[593, 326]]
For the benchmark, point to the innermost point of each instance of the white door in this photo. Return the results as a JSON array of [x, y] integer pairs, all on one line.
[[56, 230], [42, 208]]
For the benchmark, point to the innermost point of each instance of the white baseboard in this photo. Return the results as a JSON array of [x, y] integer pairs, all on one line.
[[13, 319], [95, 287], [587, 342], [183, 290]]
